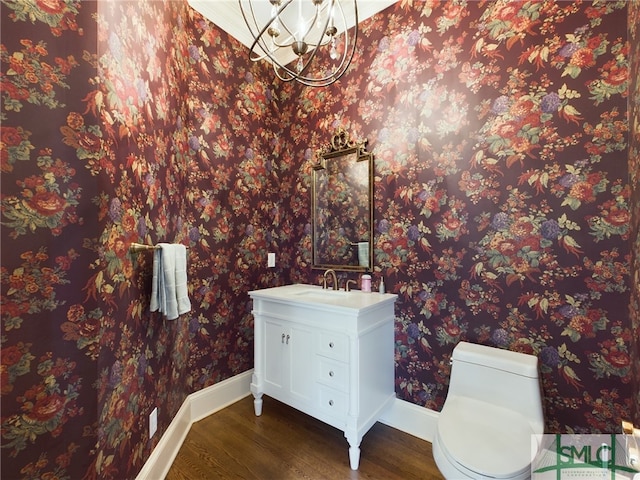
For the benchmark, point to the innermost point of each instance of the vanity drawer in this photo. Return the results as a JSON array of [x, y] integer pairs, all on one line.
[[333, 402], [332, 373], [334, 345]]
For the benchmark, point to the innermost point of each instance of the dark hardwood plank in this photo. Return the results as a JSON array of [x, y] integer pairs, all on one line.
[[284, 443]]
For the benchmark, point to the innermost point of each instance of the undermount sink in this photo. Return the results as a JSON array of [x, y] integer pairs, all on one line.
[[322, 292]]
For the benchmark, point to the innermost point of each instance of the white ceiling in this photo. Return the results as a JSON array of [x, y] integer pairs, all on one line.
[[227, 15]]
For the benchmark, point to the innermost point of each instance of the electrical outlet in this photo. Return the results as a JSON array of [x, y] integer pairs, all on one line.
[[631, 436], [271, 260], [153, 422]]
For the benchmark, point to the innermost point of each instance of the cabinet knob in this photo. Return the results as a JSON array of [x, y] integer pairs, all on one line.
[[283, 338], [331, 403], [330, 344], [288, 337], [331, 373]]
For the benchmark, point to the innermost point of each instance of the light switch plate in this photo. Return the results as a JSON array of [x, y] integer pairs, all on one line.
[[271, 260], [153, 422]]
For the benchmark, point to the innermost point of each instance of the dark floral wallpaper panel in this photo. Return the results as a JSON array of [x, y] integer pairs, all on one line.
[[49, 341], [503, 207], [634, 179]]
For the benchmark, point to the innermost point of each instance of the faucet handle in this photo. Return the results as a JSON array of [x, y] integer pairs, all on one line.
[[347, 285]]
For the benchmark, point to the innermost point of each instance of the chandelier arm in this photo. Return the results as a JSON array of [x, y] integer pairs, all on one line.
[[257, 39], [314, 50], [291, 36], [349, 48], [252, 54], [319, 81], [284, 25], [295, 75], [333, 77], [277, 68], [344, 63], [311, 24], [322, 41]]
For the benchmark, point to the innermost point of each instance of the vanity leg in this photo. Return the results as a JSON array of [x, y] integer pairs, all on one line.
[[257, 403], [256, 390], [351, 434], [354, 456]]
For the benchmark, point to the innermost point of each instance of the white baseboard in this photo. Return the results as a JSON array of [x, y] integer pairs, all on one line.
[[407, 417], [412, 419], [195, 407]]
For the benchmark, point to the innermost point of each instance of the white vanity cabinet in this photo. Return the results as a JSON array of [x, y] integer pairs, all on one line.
[[326, 353]]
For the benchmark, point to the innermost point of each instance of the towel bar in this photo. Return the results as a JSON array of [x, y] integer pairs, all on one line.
[[139, 247]]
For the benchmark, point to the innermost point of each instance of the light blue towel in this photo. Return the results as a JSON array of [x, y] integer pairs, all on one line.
[[169, 293], [363, 254]]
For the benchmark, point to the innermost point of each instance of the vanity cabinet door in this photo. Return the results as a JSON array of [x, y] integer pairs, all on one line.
[[274, 350], [302, 381], [288, 367]]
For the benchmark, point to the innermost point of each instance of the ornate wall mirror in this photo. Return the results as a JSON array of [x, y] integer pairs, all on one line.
[[342, 206]]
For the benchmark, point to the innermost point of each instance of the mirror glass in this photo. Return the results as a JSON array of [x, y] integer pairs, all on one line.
[[342, 206]]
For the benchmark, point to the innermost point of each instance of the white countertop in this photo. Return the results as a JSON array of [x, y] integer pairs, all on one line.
[[302, 294]]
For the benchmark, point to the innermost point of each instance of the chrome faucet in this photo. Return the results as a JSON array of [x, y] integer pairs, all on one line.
[[333, 275]]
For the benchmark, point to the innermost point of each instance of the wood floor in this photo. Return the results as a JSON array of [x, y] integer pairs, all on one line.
[[285, 444]]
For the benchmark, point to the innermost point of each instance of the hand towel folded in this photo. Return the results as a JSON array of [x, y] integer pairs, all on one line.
[[169, 293], [363, 254]]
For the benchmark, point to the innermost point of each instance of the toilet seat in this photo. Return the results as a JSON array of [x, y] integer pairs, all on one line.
[[484, 440]]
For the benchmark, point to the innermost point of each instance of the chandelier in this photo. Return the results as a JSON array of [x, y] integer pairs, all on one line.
[[308, 41]]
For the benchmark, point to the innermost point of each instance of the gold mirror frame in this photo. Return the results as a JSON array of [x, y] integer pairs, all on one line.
[[342, 206]]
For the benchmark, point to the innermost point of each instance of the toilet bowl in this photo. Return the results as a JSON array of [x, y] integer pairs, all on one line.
[[492, 417]]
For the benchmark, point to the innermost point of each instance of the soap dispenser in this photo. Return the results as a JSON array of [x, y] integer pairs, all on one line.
[[381, 287], [365, 283]]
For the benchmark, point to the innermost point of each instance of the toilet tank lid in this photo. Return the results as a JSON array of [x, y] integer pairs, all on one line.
[[514, 362]]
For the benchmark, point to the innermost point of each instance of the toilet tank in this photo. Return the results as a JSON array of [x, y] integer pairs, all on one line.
[[500, 377]]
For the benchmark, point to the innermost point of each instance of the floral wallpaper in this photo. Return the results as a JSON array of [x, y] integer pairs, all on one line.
[[50, 326], [634, 180], [504, 211]]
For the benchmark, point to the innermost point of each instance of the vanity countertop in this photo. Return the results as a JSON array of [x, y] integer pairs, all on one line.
[[303, 294]]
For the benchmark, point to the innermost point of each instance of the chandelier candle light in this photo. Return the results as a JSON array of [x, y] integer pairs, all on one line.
[[308, 41]]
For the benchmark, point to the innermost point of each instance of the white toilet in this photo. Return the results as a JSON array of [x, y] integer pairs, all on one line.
[[491, 414]]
